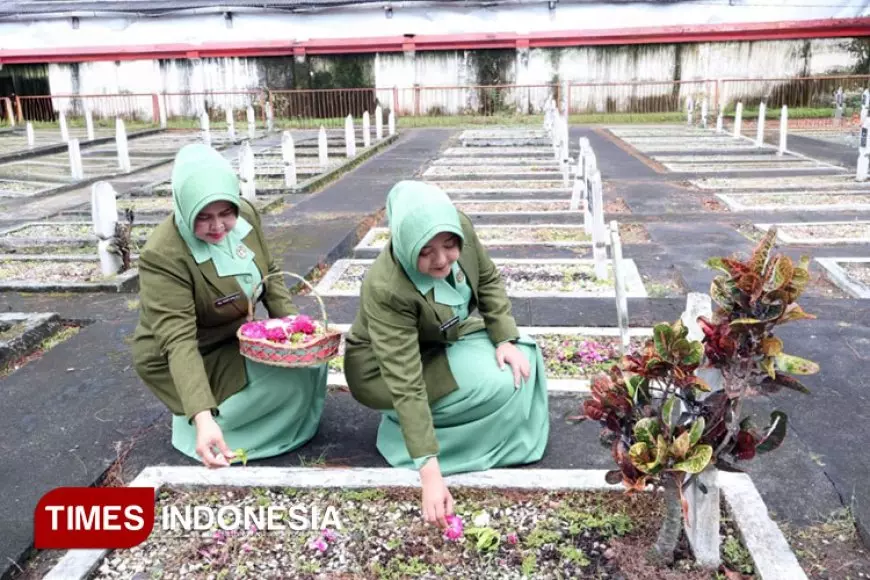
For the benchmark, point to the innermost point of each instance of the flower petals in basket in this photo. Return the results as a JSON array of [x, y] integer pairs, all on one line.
[[294, 341]]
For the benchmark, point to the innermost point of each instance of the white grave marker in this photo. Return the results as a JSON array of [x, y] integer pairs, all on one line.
[[704, 112], [391, 122], [64, 130], [122, 146], [349, 137], [759, 130], [839, 101], [270, 117], [599, 235], [203, 124], [720, 123], [783, 131], [246, 169], [566, 99], [231, 124], [864, 151], [379, 123], [288, 153], [322, 148], [31, 138], [75, 160], [548, 117], [865, 104], [690, 111], [738, 120], [252, 122], [161, 106], [619, 282], [104, 213], [367, 130], [89, 124]]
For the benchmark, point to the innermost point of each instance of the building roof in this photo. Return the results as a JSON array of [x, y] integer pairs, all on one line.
[[31, 8]]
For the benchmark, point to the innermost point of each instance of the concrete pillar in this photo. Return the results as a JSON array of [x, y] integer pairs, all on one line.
[[104, 214], [89, 124], [288, 153], [783, 131], [759, 130], [122, 146], [619, 281], [738, 120], [204, 126], [75, 160]]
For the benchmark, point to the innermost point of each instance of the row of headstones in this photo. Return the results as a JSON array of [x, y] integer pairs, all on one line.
[[349, 134], [587, 195], [77, 170]]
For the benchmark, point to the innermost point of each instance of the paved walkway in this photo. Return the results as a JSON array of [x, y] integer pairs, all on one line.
[[80, 407]]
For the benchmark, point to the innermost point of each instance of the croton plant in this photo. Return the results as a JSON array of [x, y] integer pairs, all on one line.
[[664, 423]]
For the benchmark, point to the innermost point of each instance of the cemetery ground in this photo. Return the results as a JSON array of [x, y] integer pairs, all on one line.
[[77, 414]]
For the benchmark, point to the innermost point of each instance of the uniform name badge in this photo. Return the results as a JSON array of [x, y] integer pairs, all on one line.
[[450, 323]]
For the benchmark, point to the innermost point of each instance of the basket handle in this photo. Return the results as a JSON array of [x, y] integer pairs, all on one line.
[[298, 277]]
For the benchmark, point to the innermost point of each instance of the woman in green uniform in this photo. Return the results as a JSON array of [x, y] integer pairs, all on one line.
[[457, 393], [196, 274]]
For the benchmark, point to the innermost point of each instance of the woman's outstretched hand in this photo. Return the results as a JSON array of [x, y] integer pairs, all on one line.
[[209, 436], [437, 501], [508, 353]]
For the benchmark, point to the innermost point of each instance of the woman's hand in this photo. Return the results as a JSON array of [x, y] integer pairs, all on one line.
[[508, 353], [208, 436], [437, 501]]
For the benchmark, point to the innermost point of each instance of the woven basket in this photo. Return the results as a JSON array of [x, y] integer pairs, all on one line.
[[315, 352]]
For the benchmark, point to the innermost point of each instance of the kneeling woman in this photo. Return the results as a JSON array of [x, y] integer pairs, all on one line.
[[449, 402], [196, 274]]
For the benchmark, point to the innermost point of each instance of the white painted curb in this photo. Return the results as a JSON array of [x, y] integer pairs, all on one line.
[[769, 549], [840, 278], [787, 238], [733, 203], [366, 243]]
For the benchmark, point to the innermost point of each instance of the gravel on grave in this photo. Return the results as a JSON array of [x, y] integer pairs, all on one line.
[[165, 204], [844, 231], [857, 271], [23, 186], [449, 170], [804, 182], [42, 271], [501, 185], [793, 199], [566, 278], [508, 534], [512, 206], [521, 235], [70, 230]]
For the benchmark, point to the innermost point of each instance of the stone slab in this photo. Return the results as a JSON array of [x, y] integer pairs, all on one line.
[[839, 276], [785, 237], [798, 201], [31, 328]]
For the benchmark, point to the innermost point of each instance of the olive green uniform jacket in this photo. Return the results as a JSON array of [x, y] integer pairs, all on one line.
[[185, 347], [395, 354]]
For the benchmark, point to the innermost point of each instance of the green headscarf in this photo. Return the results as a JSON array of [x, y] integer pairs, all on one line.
[[202, 176], [417, 212]]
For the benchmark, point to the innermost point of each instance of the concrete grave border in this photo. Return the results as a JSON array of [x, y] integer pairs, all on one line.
[[551, 173], [734, 205], [538, 153], [695, 168], [83, 212], [789, 239], [554, 386], [11, 241], [566, 201], [768, 547], [37, 192], [37, 327], [125, 282], [633, 280], [839, 277], [365, 244], [518, 162]]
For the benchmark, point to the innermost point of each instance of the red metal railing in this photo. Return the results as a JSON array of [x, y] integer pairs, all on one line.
[[190, 105], [135, 108]]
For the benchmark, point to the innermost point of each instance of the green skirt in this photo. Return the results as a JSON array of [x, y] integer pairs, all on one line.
[[486, 422], [277, 411]]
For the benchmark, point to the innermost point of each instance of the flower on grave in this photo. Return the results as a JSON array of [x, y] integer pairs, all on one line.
[[318, 544], [253, 529], [481, 519], [512, 539], [454, 528], [246, 548], [328, 535], [220, 536]]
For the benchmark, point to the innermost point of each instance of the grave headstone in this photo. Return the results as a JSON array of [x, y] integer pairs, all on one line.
[[270, 117], [863, 151], [89, 124], [288, 153], [865, 104], [252, 122], [122, 146], [619, 283], [104, 213], [759, 130], [349, 137], [204, 126], [703, 513], [720, 123], [161, 106], [231, 124], [246, 169], [690, 111], [599, 235], [704, 112], [379, 123], [64, 130], [31, 138], [783, 131], [566, 99], [75, 160], [738, 121], [391, 122], [367, 130], [322, 148], [839, 101], [548, 117]]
